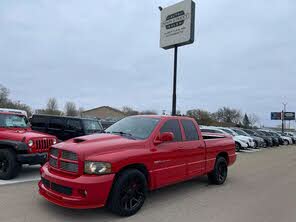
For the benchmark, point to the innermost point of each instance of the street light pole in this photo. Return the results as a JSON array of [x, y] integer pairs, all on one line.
[[283, 117]]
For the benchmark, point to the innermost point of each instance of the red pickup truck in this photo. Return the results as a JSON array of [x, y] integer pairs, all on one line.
[[137, 154], [19, 144]]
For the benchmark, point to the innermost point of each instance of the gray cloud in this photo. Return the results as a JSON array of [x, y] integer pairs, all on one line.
[[106, 53]]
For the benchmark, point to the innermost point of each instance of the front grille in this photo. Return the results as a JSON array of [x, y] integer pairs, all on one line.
[[64, 160], [54, 152], [61, 189], [42, 145], [53, 162], [71, 167], [69, 155], [45, 182], [56, 187]]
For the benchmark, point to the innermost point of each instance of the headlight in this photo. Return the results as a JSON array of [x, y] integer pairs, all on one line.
[[54, 141], [91, 167], [30, 143]]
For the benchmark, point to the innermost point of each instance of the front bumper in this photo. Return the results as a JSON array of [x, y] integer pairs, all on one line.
[[87, 191], [251, 144], [32, 159]]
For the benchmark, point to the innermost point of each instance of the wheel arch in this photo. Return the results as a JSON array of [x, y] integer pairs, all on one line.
[[224, 155], [138, 166]]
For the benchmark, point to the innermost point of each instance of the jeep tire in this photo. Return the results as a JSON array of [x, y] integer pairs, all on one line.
[[9, 167]]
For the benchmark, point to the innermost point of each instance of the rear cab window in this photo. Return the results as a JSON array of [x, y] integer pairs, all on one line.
[[190, 130]]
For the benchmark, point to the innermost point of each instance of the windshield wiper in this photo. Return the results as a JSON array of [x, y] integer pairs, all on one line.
[[122, 134]]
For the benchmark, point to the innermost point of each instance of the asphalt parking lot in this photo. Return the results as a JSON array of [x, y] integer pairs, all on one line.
[[260, 187]]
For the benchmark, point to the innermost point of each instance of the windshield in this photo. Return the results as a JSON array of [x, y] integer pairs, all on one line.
[[18, 121], [136, 127], [92, 126], [250, 132], [229, 132], [239, 132]]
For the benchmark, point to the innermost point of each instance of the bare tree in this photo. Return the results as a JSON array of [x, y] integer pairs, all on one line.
[[52, 104], [228, 115], [148, 112], [129, 111], [254, 119], [51, 108], [203, 117], [4, 93], [80, 111], [70, 109]]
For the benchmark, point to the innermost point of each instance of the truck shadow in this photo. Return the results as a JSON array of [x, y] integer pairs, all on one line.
[[155, 201]]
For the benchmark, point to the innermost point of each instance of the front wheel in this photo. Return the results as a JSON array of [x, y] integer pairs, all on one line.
[[219, 174], [9, 167], [128, 193]]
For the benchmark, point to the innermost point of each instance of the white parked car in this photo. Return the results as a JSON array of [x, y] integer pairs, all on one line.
[[246, 139], [239, 143]]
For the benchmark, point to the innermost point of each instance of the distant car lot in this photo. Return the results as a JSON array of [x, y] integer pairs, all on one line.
[[250, 194]]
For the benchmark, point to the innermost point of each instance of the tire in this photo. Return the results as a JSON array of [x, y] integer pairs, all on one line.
[[256, 145], [286, 142], [128, 193], [238, 147], [9, 167], [219, 174]]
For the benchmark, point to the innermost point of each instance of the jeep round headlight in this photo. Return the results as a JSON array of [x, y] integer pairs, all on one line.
[[54, 141], [91, 167], [30, 143]]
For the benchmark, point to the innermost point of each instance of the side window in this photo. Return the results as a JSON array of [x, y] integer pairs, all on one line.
[[73, 124], [56, 123], [39, 122], [174, 127], [190, 130]]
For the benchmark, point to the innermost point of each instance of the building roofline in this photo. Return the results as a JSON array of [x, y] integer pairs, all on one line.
[[108, 107]]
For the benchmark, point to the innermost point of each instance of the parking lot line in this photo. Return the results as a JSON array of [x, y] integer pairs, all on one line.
[[28, 173]]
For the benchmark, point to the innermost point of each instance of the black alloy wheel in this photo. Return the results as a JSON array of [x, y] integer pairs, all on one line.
[[128, 193], [9, 167], [219, 174], [4, 164]]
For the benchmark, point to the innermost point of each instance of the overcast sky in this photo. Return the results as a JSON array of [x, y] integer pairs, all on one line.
[[99, 53]]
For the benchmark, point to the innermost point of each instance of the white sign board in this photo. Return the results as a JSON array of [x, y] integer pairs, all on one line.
[[177, 24]]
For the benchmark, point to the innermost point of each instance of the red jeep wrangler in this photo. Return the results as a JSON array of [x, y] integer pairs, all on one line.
[[19, 144], [136, 154]]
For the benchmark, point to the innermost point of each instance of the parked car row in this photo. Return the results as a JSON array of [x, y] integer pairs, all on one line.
[[253, 138]]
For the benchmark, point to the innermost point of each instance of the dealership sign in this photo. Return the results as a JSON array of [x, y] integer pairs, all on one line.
[[285, 115], [276, 115], [177, 24], [289, 116]]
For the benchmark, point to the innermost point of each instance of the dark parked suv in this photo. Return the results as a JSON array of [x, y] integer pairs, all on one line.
[[65, 128]]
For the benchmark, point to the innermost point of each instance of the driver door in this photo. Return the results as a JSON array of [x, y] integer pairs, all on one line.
[[169, 163]]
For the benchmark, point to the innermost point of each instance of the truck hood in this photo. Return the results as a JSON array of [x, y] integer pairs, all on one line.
[[98, 144], [18, 134]]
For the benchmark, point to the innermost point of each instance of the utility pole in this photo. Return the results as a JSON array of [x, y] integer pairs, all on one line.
[[283, 117]]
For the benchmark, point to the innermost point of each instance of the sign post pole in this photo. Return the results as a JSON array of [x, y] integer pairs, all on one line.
[[174, 103], [177, 25], [283, 118]]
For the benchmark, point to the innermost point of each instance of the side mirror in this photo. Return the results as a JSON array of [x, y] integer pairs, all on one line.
[[164, 137]]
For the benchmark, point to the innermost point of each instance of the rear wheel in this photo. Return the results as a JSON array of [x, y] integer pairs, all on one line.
[[128, 193], [219, 174], [286, 142], [9, 167]]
